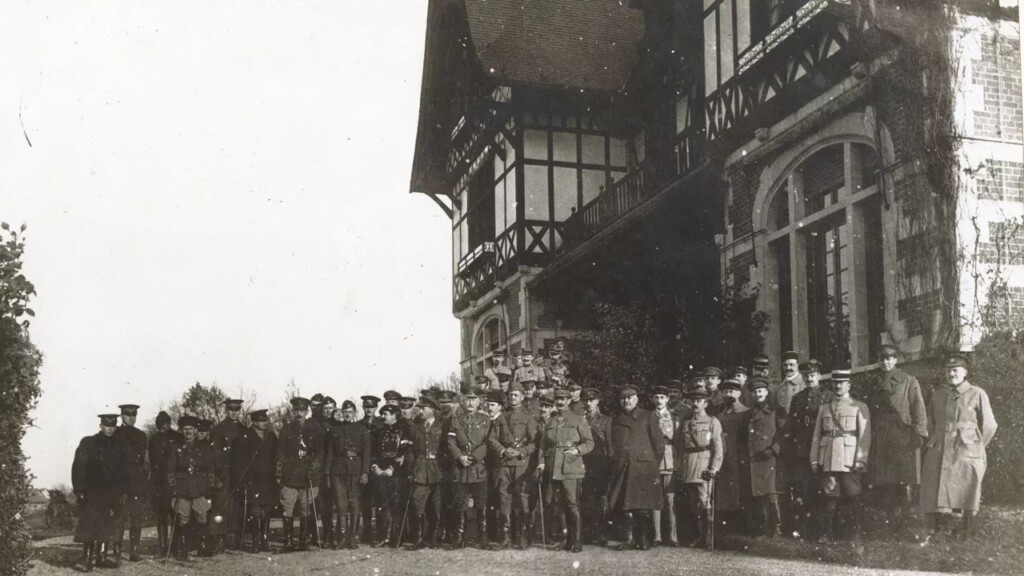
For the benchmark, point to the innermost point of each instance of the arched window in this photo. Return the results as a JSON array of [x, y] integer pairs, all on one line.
[[825, 255], [490, 335]]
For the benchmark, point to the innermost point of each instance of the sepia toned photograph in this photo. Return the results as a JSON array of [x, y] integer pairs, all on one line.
[[507, 287]]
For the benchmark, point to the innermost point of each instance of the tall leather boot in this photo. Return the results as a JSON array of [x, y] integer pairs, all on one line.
[[504, 527], [557, 529], [301, 545], [395, 536], [327, 535], [828, 519], [643, 529], [289, 541], [255, 531], [482, 541], [630, 542], [774, 525], [419, 527], [87, 560], [570, 526], [856, 515], [519, 542], [459, 536], [161, 535], [436, 529], [384, 528], [352, 540], [576, 521], [134, 539], [181, 544]]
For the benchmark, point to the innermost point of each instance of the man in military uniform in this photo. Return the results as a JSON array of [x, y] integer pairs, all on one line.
[[565, 439], [899, 427], [556, 370], [325, 498], [716, 398], [429, 440], [133, 441], [513, 440], [389, 444], [960, 427], [392, 398], [299, 460], [348, 470], [517, 361], [576, 403], [595, 483], [528, 372], [449, 468], [698, 458], [203, 428], [99, 477], [161, 444], [839, 452], [666, 467], [807, 499], [732, 484], [253, 468], [227, 502], [766, 426], [467, 445], [190, 473], [408, 411], [370, 421], [637, 447], [498, 373]]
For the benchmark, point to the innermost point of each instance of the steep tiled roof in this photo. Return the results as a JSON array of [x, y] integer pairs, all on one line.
[[560, 43]]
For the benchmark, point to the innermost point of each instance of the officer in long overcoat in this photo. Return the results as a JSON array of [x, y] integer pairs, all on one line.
[[766, 426], [732, 485], [252, 470], [807, 500], [960, 427], [637, 447], [134, 443], [99, 476], [899, 427]]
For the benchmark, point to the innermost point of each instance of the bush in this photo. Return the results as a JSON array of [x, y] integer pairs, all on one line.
[[19, 391], [997, 367]]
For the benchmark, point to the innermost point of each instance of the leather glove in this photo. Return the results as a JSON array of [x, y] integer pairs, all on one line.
[[916, 442], [364, 479], [464, 461]]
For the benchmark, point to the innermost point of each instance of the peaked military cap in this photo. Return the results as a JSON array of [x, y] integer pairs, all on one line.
[[627, 391], [317, 399], [389, 409], [547, 401], [370, 401], [406, 402], [446, 396], [187, 421], [259, 416], [591, 394], [760, 361], [427, 402], [232, 403], [562, 393], [757, 382], [329, 400], [129, 409], [108, 419], [299, 403], [712, 371], [348, 405], [887, 351], [956, 361], [205, 425], [739, 370], [662, 390], [840, 375], [810, 366], [392, 395], [731, 384]]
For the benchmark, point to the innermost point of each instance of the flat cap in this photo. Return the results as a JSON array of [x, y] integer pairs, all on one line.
[[790, 355]]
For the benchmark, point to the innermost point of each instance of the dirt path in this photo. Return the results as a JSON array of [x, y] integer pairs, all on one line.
[[54, 557]]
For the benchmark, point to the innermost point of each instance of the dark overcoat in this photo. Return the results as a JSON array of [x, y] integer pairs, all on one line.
[[134, 443], [252, 466], [99, 477], [637, 447]]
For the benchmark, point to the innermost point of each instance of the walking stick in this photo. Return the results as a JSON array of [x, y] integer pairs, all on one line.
[[540, 505], [405, 514], [245, 516], [711, 513], [174, 522], [316, 521]]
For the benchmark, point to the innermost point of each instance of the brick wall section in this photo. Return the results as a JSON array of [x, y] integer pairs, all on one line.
[[1006, 245], [1001, 181], [917, 311], [997, 73], [739, 267]]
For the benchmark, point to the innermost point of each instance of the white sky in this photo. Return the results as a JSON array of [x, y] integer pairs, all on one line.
[[218, 191]]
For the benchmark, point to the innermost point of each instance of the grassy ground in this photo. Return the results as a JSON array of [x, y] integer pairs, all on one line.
[[997, 549]]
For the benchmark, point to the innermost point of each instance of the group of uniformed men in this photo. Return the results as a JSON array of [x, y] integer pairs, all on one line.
[[767, 455]]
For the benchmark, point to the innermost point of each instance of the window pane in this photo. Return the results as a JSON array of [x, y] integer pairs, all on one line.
[[710, 49], [682, 113], [565, 192], [499, 207], [593, 149], [535, 143], [564, 146], [618, 151], [536, 190], [592, 182], [726, 41], [464, 237], [510, 198]]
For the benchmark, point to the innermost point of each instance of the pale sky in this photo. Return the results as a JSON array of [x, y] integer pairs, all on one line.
[[218, 191]]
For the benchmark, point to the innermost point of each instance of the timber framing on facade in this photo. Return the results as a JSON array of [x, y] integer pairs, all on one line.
[[852, 169]]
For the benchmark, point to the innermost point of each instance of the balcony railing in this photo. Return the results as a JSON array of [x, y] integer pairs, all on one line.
[[610, 204]]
